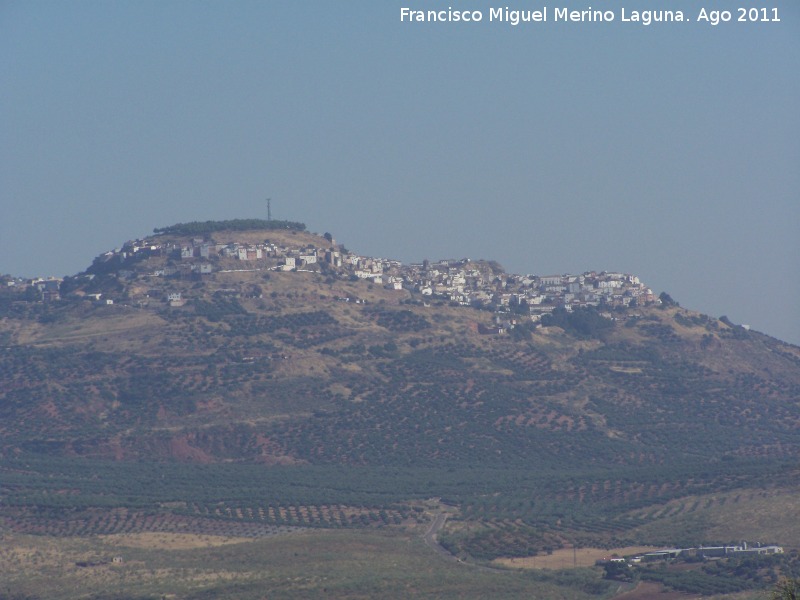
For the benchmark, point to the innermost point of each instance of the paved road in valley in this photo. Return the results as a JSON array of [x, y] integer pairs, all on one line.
[[430, 539]]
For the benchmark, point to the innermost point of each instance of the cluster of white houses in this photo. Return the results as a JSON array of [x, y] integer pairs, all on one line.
[[461, 282]]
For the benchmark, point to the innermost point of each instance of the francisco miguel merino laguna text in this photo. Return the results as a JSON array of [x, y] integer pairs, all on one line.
[[515, 17]]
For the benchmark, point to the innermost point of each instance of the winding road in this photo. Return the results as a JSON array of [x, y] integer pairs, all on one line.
[[433, 543]]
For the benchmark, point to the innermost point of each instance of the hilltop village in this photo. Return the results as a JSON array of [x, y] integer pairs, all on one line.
[[462, 282]]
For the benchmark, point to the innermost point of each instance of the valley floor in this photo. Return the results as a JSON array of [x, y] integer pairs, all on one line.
[[384, 563], [330, 564]]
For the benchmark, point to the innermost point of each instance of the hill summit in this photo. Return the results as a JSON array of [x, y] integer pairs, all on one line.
[[287, 309], [193, 250]]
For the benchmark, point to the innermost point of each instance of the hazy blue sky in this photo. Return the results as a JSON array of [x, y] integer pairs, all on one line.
[[670, 151]]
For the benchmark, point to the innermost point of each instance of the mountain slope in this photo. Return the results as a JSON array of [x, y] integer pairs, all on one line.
[[308, 364]]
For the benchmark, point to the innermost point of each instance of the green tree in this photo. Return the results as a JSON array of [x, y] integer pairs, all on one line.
[[786, 589], [666, 300]]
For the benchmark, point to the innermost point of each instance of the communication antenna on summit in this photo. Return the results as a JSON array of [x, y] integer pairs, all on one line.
[[269, 209]]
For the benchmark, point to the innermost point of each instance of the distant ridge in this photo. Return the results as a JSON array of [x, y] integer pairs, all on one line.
[[203, 227]]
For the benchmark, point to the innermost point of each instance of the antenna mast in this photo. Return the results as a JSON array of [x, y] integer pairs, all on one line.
[[269, 209]]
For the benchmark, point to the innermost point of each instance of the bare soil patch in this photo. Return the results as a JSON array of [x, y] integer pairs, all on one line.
[[566, 558]]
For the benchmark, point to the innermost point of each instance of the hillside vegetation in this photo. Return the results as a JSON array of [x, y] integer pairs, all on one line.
[[257, 396], [206, 227]]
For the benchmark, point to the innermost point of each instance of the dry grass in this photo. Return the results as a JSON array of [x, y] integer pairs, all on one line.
[[565, 558], [170, 541], [772, 516], [626, 370], [276, 236], [320, 564], [75, 329], [768, 516]]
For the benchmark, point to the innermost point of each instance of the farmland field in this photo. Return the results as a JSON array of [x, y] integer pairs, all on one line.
[[564, 558], [331, 564]]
